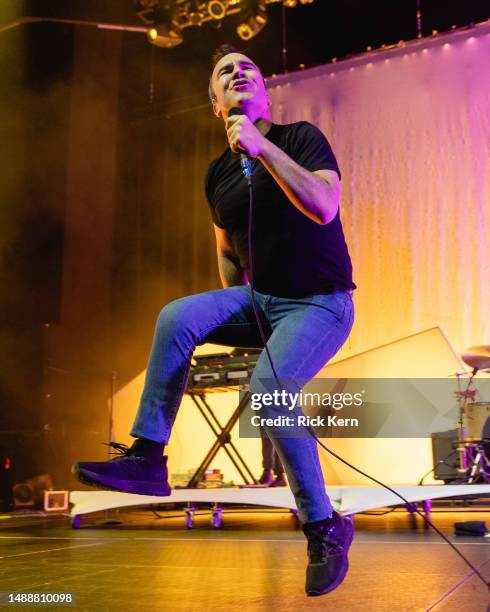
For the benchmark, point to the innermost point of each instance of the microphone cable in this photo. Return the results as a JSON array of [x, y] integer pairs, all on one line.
[[247, 172]]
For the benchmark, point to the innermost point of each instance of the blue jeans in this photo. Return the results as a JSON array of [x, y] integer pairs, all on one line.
[[270, 459], [303, 334]]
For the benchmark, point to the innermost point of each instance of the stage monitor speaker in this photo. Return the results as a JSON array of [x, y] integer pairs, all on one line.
[[444, 448]]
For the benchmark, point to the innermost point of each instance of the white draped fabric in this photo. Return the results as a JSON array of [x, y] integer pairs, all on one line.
[[410, 127]]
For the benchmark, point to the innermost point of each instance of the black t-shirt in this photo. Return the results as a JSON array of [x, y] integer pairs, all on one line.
[[292, 255]]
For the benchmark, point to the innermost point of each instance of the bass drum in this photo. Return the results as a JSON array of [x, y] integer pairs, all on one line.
[[486, 438], [477, 424]]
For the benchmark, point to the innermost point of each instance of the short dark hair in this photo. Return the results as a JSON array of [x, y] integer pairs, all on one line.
[[219, 53]]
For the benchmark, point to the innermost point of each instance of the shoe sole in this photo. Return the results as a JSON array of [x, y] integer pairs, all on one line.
[[139, 487], [345, 568]]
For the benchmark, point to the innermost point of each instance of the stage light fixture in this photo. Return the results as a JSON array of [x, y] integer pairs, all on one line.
[[255, 18], [217, 9], [196, 18], [166, 31], [165, 20]]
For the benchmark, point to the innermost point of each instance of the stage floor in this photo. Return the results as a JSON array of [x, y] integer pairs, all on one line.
[[255, 562]]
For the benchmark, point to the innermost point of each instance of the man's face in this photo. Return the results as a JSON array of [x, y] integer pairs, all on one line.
[[237, 81]]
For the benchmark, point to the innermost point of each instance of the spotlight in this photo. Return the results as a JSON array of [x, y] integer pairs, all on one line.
[[254, 20], [196, 18], [165, 36], [165, 20], [166, 31], [216, 9]]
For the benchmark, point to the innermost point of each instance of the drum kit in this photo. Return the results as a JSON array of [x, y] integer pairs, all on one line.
[[474, 420]]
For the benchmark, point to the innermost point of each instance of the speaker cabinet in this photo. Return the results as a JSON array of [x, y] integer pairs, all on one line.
[[444, 448]]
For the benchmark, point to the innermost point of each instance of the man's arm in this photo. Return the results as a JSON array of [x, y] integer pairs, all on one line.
[[315, 194], [230, 271]]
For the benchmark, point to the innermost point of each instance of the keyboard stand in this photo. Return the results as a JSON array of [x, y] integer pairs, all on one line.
[[223, 439]]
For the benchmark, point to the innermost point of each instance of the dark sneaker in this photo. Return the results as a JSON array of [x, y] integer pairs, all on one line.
[[279, 481], [131, 472], [328, 546], [267, 478]]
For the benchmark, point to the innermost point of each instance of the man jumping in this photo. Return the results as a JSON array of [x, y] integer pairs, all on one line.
[[303, 279]]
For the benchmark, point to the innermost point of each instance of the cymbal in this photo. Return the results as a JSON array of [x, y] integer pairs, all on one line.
[[477, 357]]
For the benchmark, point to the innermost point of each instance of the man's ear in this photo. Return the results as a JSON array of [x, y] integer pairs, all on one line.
[[216, 108]]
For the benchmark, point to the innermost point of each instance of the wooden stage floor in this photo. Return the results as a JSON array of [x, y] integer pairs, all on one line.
[[255, 562]]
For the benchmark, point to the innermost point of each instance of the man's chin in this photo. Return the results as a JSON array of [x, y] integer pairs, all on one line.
[[239, 97]]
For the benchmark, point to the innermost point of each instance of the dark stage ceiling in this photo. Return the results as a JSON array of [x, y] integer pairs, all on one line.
[[315, 32]]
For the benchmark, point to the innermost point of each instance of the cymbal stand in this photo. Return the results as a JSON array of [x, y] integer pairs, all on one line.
[[480, 465], [463, 397]]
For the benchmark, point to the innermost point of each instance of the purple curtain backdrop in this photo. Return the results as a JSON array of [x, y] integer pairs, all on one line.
[[411, 130]]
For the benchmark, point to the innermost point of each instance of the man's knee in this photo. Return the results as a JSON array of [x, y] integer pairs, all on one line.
[[176, 315]]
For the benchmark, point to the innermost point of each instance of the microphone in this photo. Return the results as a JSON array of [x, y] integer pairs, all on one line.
[[244, 160]]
